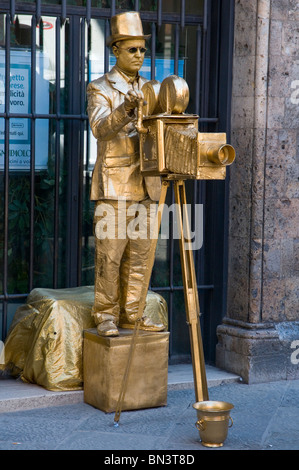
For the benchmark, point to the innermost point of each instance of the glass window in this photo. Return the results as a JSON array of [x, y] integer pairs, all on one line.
[[180, 332], [148, 5], [24, 152], [125, 4], [174, 6]]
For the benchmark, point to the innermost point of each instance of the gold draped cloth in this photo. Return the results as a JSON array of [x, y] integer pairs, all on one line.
[[45, 340]]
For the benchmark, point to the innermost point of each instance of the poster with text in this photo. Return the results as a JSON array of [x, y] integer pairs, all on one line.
[[20, 103]]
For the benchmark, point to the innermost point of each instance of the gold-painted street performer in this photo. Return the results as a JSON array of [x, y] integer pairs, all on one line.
[[117, 184]]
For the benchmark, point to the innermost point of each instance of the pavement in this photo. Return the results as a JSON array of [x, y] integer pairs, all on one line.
[[265, 417]]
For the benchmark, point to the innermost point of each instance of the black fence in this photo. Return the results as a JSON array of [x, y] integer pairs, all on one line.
[[46, 237]]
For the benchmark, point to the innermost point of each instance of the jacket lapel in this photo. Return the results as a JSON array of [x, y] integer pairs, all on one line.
[[118, 82]]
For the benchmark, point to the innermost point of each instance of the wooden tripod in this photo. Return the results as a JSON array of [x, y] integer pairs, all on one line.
[[190, 291]]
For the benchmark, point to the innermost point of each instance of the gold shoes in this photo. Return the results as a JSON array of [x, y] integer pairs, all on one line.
[[145, 324], [107, 328]]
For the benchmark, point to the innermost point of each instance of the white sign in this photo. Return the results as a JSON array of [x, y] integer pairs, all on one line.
[[20, 102]]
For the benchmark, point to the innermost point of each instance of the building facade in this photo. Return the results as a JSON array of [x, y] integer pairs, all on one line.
[[240, 59], [259, 336], [50, 50]]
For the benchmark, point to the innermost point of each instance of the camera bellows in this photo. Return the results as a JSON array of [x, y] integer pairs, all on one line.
[[181, 150]]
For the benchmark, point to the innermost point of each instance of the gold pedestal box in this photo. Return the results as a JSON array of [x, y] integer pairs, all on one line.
[[104, 364]]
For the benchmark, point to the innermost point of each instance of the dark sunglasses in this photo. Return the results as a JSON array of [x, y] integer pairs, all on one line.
[[133, 50]]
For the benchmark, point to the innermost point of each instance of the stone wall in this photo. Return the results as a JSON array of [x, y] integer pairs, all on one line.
[[259, 334]]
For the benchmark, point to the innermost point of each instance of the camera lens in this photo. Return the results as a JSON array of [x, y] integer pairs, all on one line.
[[223, 155]]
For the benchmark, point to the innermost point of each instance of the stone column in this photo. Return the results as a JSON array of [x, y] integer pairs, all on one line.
[[259, 337]]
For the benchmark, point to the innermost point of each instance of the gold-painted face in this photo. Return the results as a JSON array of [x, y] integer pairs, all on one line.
[[129, 55]]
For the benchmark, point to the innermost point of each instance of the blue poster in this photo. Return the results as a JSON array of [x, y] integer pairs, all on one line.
[[163, 68], [20, 103]]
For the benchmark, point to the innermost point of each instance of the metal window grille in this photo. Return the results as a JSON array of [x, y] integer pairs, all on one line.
[[211, 91]]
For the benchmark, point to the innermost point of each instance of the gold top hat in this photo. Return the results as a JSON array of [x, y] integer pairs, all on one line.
[[126, 26]]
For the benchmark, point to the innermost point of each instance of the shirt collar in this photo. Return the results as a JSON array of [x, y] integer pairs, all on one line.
[[127, 78]]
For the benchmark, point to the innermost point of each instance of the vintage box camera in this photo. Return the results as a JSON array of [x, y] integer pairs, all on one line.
[[171, 144]]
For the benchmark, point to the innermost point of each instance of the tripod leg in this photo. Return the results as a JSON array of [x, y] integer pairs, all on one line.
[[191, 294]]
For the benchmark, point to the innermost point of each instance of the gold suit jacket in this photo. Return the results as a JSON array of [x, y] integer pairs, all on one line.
[[116, 172]]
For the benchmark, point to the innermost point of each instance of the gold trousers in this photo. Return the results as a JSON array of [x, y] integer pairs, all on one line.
[[122, 243]]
